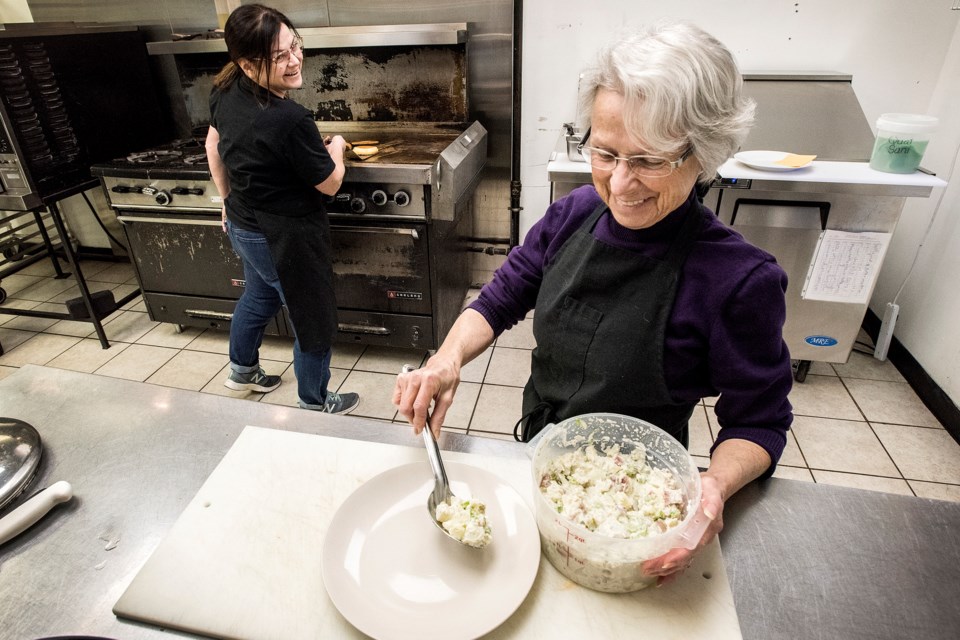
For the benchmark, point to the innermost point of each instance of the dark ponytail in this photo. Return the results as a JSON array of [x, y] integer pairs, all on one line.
[[227, 76]]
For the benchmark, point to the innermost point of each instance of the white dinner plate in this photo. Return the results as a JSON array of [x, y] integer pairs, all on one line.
[[765, 160], [393, 574]]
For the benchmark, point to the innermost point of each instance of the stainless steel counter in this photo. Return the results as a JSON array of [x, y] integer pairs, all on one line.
[[804, 560]]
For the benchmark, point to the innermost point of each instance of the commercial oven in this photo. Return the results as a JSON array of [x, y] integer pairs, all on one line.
[[402, 223], [398, 231]]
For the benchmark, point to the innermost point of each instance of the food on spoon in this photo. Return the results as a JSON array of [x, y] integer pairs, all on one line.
[[612, 493], [466, 521]]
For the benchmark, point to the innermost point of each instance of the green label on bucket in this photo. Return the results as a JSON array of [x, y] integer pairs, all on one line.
[[897, 155]]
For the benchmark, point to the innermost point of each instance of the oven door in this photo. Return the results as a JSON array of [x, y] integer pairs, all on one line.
[[381, 267], [186, 268], [182, 253]]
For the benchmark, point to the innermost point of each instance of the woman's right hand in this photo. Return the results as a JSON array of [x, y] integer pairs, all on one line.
[[435, 382], [335, 143]]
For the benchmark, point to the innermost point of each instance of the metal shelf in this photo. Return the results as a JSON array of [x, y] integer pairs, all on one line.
[[339, 38]]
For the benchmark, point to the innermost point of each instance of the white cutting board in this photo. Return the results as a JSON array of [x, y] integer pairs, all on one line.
[[243, 560]]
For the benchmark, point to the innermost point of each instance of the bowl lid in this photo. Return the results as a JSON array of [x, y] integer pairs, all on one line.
[[20, 451], [907, 123]]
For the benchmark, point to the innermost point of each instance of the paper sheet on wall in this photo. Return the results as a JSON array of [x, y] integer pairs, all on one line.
[[845, 266]]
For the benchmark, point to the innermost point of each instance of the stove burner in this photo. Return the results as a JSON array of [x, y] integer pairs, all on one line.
[[188, 143], [152, 157], [195, 158]]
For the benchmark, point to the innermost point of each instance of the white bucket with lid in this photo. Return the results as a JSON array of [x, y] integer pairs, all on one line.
[[902, 139]]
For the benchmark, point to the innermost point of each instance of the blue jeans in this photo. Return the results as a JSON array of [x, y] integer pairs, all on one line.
[[261, 301]]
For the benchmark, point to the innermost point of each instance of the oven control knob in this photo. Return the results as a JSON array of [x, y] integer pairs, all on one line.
[[401, 198], [162, 197], [379, 197], [358, 205]]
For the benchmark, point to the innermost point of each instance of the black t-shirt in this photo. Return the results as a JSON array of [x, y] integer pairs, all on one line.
[[273, 153]]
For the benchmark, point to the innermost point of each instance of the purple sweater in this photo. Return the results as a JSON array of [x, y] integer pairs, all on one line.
[[724, 335]]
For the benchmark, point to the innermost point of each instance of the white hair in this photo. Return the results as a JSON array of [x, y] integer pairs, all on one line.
[[682, 90]]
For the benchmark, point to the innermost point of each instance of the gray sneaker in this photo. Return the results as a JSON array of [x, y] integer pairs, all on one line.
[[341, 403], [253, 381]]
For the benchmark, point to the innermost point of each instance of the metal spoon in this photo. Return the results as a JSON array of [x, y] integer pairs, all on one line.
[[441, 487]]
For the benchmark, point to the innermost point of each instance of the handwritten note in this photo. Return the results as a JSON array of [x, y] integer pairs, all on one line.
[[845, 266]]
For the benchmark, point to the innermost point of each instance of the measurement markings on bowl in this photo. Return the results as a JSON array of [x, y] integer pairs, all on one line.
[[564, 547]]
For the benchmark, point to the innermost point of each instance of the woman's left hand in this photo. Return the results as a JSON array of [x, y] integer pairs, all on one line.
[[673, 563]]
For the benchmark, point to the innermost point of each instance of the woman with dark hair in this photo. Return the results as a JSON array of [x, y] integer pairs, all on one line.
[[272, 168]]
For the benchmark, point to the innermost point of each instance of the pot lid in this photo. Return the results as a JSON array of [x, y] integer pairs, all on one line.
[[20, 451]]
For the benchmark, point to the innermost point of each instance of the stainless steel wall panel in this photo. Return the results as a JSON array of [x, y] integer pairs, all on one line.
[[184, 16], [816, 117], [392, 84], [482, 12], [301, 13], [489, 53]]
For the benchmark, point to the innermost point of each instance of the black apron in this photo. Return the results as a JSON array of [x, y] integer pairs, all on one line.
[[302, 253], [600, 320]]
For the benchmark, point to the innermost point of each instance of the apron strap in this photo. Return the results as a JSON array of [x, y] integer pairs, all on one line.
[[533, 422]]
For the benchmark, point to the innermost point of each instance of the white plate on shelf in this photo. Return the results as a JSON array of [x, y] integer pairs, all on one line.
[[393, 574], [765, 160]]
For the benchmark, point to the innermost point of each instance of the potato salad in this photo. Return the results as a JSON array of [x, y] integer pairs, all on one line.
[[612, 493], [465, 520]]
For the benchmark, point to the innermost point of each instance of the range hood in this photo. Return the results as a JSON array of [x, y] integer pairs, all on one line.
[[336, 38]]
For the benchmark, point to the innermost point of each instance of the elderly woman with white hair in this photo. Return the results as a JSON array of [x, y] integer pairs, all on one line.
[[645, 302]]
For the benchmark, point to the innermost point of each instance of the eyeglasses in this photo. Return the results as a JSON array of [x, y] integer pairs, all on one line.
[[640, 165], [283, 57]]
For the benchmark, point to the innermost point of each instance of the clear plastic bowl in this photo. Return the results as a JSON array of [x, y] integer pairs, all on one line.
[[600, 562]]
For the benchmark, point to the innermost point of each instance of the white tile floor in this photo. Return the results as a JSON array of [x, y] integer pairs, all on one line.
[[857, 424]]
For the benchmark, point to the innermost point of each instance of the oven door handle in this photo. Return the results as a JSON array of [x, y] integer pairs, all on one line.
[[206, 314], [345, 327], [154, 209], [390, 230], [206, 222]]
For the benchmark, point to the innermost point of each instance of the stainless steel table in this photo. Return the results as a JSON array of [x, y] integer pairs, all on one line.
[[804, 560]]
